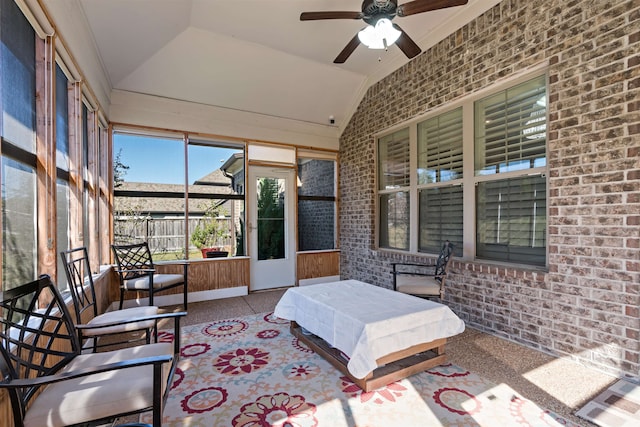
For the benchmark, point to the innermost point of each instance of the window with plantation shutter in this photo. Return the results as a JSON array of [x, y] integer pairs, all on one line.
[[393, 180], [394, 220], [511, 220], [440, 148], [440, 160], [510, 129], [510, 136], [393, 156], [441, 211], [473, 173]]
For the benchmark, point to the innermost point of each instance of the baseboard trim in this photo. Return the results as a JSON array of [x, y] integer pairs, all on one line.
[[163, 300]]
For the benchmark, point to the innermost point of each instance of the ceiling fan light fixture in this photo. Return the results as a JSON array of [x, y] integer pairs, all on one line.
[[380, 36]]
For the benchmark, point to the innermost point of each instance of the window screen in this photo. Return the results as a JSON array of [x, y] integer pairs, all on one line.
[[316, 204]]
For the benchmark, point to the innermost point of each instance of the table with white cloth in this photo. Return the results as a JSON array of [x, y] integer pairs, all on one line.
[[372, 334]]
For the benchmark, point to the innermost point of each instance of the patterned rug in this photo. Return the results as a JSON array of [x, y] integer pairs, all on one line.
[[617, 406], [251, 372]]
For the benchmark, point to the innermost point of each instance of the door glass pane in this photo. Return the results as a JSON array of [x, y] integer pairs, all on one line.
[[271, 219]]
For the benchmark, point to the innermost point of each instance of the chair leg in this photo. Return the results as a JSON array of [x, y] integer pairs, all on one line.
[[121, 297], [184, 286], [151, 296]]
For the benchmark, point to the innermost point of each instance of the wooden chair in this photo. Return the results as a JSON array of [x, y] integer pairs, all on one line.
[[91, 325], [137, 272], [425, 281], [51, 384]]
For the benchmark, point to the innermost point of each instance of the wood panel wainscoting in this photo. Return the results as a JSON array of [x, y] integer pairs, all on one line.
[[312, 266], [206, 279]]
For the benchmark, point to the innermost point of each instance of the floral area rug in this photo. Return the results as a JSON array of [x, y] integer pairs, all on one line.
[[251, 372]]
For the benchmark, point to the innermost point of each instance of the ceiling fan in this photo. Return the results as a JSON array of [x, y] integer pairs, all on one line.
[[378, 14]]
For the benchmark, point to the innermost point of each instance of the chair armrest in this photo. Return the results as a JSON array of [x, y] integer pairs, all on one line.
[[415, 273], [155, 317], [136, 270], [50, 379]]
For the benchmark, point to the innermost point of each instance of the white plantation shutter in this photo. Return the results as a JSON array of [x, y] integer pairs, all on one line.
[[440, 148], [393, 160], [510, 129], [440, 160], [506, 194], [512, 220], [441, 218], [393, 180], [510, 136], [394, 220]]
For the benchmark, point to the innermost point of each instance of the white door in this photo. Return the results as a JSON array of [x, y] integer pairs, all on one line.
[[271, 196]]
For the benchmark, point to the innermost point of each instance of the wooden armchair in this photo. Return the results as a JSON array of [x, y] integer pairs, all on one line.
[[91, 325], [138, 274], [425, 281], [51, 384]]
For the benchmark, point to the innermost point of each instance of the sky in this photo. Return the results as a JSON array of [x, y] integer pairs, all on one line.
[[161, 160]]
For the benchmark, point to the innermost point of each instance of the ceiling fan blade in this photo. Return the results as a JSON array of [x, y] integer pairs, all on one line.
[[419, 6], [406, 44], [312, 16], [347, 51]]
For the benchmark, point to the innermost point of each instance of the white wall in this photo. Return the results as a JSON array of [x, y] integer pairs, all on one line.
[[147, 110]]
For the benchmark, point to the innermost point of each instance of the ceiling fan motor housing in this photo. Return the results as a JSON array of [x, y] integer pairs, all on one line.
[[375, 10]]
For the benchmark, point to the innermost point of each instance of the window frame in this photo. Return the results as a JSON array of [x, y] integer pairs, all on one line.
[[469, 180], [301, 156], [187, 193]]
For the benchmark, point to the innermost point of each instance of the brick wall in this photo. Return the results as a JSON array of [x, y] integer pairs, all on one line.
[[587, 304]]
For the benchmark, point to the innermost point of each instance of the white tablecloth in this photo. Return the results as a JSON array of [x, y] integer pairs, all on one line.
[[366, 322]]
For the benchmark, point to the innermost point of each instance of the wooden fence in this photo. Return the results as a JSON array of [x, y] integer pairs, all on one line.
[[163, 234]]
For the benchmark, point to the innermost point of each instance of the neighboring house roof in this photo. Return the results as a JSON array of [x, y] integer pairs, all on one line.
[[215, 183]]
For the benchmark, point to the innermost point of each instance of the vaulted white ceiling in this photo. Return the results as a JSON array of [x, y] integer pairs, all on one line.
[[249, 55]]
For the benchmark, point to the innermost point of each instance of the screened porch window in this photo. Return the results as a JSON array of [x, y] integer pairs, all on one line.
[[18, 135], [316, 204], [192, 215]]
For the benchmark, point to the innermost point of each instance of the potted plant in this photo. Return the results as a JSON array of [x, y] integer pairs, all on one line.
[[210, 231]]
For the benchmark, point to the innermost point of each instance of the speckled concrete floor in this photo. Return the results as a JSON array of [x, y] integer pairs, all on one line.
[[560, 385]]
